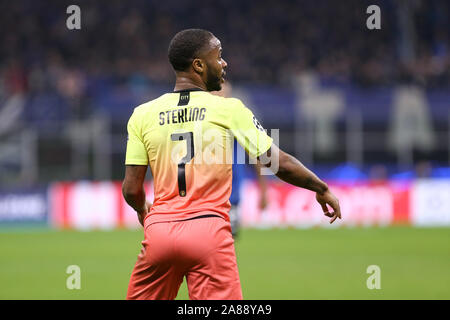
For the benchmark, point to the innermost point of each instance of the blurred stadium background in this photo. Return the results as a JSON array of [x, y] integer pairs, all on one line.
[[367, 110]]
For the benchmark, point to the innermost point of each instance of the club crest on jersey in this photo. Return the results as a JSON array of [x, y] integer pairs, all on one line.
[[257, 124]]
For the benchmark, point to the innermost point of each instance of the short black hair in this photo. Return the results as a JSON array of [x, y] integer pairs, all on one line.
[[185, 47]]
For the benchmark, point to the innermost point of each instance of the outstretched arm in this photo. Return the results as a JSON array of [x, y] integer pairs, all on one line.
[[133, 190], [262, 186], [294, 172]]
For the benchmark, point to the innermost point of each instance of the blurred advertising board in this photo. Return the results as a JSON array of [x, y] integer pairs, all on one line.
[[27, 206], [100, 205], [431, 203], [92, 205], [362, 204]]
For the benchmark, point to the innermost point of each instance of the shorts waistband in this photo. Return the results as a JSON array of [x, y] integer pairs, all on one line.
[[204, 216]]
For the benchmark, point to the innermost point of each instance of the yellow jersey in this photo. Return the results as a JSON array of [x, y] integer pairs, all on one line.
[[187, 139]]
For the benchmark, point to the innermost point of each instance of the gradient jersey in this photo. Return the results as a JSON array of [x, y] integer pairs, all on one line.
[[187, 139]]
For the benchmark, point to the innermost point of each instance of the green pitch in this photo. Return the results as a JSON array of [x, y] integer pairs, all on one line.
[[273, 264]]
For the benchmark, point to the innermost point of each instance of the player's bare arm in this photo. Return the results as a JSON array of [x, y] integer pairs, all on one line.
[[262, 186], [133, 190], [294, 172]]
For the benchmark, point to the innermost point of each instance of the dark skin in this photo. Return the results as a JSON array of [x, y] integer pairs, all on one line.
[[133, 190], [294, 172], [207, 72]]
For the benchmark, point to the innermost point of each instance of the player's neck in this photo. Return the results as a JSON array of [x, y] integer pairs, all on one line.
[[185, 81]]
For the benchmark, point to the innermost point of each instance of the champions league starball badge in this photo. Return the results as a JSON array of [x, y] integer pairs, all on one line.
[[257, 124]]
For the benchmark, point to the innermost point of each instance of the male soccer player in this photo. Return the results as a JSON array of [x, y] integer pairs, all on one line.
[[185, 136]]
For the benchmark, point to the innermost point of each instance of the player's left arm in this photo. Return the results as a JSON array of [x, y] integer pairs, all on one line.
[[262, 186], [133, 190], [250, 134], [294, 172]]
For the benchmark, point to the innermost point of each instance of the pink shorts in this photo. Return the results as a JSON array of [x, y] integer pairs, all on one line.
[[200, 249]]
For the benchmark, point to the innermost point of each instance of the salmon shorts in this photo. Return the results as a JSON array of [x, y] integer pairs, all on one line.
[[200, 249]]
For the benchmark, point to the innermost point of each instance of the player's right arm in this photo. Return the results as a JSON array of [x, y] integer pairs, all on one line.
[[136, 161]]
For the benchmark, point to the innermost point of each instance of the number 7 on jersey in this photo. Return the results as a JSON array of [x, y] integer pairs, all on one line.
[[189, 137]]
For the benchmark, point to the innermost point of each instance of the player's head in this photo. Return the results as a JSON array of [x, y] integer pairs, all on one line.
[[199, 53]]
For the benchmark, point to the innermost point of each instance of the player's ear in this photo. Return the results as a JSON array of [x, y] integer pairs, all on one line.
[[198, 65]]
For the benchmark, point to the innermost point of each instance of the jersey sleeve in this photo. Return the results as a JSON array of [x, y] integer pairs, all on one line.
[[248, 131], [136, 152]]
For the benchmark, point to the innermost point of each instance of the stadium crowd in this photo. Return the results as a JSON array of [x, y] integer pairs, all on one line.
[[50, 75], [264, 41]]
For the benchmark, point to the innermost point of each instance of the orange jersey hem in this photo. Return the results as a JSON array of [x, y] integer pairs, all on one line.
[[152, 218]]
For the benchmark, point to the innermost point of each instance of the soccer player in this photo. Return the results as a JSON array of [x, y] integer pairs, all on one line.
[[185, 136]]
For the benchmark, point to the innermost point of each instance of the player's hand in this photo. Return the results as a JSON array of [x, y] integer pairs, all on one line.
[[328, 198], [143, 213], [263, 202]]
